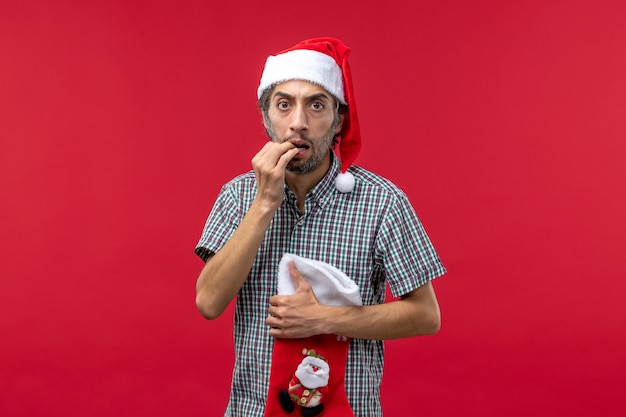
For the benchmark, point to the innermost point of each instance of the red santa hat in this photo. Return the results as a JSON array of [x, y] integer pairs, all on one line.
[[322, 61]]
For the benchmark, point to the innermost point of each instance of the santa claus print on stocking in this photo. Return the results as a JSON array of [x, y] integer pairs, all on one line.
[[307, 375], [308, 385]]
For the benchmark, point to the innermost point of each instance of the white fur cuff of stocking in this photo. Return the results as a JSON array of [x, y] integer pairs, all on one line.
[[331, 286]]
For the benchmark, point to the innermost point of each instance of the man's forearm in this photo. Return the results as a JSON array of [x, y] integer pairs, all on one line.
[[397, 319], [226, 271]]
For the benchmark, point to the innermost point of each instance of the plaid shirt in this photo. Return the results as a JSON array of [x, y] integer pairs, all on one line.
[[371, 233]]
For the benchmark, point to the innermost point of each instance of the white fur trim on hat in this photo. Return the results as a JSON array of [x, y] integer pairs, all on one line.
[[303, 64], [331, 286]]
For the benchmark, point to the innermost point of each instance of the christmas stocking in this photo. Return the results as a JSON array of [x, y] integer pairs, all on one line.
[[307, 375]]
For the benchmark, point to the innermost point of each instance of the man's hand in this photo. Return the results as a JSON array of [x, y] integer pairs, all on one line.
[[269, 166], [295, 316]]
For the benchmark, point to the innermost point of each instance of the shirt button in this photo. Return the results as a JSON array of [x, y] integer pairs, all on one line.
[[306, 393]]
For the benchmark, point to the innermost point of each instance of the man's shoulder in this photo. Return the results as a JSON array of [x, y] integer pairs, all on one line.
[[245, 179], [240, 188], [372, 182]]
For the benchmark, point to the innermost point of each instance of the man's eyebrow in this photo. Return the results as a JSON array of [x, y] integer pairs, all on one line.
[[309, 98], [283, 95], [317, 96]]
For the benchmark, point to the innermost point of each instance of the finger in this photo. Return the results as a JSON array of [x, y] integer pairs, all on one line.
[[271, 321], [273, 311], [262, 153], [276, 300], [272, 152], [286, 157], [276, 332], [297, 278], [276, 150]]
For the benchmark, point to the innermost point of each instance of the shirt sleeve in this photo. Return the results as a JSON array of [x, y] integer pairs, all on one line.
[[220, 225], [409, 258]]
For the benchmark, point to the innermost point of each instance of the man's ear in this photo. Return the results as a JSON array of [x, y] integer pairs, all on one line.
[[340, 124]]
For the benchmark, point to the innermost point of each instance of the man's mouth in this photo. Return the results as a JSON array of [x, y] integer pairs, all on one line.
[[300, 144]]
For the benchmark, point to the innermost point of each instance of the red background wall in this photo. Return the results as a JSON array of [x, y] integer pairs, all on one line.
[[503, 121]]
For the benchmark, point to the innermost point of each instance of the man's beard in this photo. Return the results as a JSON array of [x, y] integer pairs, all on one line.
[[318, 149]]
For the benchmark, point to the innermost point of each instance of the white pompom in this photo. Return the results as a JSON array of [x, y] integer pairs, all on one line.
[[344, 182]]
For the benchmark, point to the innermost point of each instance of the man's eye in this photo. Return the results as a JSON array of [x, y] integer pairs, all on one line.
[[283, 105], [317, 105]]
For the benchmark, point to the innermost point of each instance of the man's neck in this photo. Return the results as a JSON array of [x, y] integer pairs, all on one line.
[[301, 184]]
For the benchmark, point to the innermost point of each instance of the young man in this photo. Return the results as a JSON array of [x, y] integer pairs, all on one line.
[[301, 198]]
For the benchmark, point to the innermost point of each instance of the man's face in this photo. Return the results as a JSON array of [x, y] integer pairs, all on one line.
[[304, 114]]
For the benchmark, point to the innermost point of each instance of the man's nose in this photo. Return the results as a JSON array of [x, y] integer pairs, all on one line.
[[299, 120]]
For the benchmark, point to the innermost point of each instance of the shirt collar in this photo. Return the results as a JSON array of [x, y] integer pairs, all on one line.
[[325, 189]]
